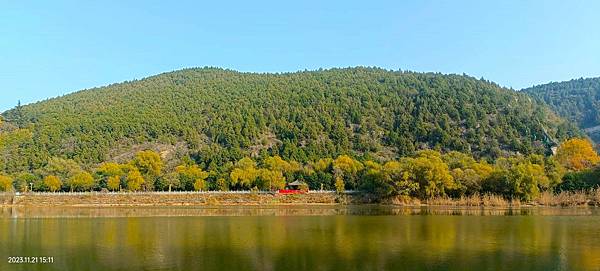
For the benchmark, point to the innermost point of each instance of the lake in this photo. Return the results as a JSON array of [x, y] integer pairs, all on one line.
[[301, 238]]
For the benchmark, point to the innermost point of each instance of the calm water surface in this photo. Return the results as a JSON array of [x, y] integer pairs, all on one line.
[[309, 238]]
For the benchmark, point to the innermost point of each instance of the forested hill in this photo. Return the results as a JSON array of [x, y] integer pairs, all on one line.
[[216, 116], [577, 100]]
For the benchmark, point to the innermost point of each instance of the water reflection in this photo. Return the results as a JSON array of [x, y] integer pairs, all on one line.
[[356, 238], [359, 210]]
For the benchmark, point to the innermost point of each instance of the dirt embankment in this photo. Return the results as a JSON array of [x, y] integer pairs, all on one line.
[[591, 198], [172, 199]]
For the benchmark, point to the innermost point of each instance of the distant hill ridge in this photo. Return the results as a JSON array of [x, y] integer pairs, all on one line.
[[577, 100]]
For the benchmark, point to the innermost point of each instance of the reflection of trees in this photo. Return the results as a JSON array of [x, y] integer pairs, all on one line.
[[343, 242]]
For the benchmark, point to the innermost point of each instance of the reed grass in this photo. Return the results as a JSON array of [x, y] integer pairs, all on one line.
[[405, 201], [577, 198], [547, 198], [441, 201], [595, 197], [494, 201], [470, 201]]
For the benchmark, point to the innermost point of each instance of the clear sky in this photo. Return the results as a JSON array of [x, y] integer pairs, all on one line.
[[50, 48]]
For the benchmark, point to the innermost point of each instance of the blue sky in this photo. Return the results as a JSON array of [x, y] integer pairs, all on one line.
[[50, 48]]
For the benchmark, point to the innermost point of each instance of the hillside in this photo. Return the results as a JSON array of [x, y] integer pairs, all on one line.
[[217, 116], [577, 100]]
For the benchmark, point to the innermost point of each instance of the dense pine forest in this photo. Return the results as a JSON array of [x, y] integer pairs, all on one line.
[[389, 132], [576, 100]]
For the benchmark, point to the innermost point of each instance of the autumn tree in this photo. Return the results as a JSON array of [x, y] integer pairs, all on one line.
[[65, 169], [135, 180], [200, 185], [111, 172], [271, 179], [468, 174], [244, 174], [322, 164], [6, 183], [276, 163], [340, 186], [110, 169], [192, 177], [431, 173], [81, 181], [113, 183], [525, 180], [517, 177], [577, 154], [555, 171], [374, 180], [222, 184], [347, 168], [150, 164], [318, 174], [53, 183], [396, 175], [273, 176]]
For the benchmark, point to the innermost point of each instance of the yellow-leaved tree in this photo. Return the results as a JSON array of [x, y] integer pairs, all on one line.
[[346, 169], [52, 182], [81, 181], [340, 186], [113, 183], [134, 180], [111, 173], [244, 174], [272, 179], [276, 163], [200, 184], [6, 183], [577, 154], [431, 173], [222, 184], [323, 164], [150, 165], [192, 177]]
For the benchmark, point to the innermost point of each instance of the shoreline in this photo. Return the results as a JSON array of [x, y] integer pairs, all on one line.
[[263, 199], [99, 199], [296, 210]]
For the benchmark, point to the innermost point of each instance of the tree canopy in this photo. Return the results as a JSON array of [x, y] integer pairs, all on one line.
[[577, 154]]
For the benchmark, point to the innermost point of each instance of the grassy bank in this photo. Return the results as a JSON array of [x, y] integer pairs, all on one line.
[[582, 198], [166, 199], [563, 199]]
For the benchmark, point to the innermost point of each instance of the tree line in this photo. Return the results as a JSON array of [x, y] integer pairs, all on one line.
[[427, 173]]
